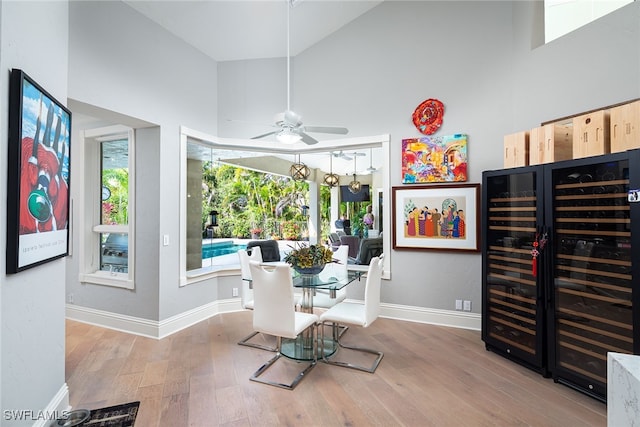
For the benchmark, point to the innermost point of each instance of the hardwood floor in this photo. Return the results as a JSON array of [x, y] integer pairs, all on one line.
[[430, 376]]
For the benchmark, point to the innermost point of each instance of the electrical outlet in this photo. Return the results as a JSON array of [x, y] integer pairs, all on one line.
[[234, 292], [70, 298], [458, 304], [467, 305]]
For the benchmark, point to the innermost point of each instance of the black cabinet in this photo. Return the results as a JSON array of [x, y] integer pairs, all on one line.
[[558, 266]]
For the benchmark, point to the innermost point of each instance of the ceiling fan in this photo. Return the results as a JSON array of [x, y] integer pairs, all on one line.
[[370, 169], [347, 156], [290, 128]]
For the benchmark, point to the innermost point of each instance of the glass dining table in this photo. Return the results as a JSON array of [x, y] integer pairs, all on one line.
[[301, 348], [328, 280]]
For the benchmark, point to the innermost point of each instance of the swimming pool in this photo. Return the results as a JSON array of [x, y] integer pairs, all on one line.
[[215, 249]]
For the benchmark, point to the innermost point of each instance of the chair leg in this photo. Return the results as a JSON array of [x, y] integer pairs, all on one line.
[[299, 377], [336, 337], [343, 329], [246, 342]]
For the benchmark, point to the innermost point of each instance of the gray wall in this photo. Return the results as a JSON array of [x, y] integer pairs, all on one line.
[[33, 37], [479, 58], [144, 73], [483, 60]]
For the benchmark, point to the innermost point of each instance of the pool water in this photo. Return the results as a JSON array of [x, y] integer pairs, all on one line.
[[211, 250]]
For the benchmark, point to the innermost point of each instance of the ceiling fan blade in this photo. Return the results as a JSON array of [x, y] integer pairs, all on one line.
[[326, 129], [356, 154], [308, 139], [341, 155], [265, 134]]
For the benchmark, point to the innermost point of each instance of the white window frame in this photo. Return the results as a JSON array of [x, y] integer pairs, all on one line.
[[90, 210], [189, 135]]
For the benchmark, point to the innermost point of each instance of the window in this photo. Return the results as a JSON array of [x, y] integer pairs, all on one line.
[[107, 251], [202, 222], [563, 16]]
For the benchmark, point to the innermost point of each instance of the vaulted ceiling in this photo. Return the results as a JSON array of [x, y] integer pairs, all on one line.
[[249, 29], [229, 30]]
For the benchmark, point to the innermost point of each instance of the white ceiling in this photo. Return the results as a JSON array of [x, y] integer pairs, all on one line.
[[251, 29], [228, 30]]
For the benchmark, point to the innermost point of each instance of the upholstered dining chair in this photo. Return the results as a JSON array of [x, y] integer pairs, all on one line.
[[274, 314], [356, 314], [270, 249], [246, 293]]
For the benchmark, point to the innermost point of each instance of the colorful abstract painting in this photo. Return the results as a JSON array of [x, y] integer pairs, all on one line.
[[434, 159]]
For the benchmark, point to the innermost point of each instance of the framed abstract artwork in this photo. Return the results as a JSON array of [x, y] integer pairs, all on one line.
[[38, 179], [434, 159], [436, 217]]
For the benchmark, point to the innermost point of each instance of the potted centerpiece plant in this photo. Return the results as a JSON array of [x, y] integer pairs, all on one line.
[[309, 259]]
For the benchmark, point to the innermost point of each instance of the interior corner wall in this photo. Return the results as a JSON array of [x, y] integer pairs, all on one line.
[[369, 76], [483, 60], [32, 302], [592, 67], [144, 72]]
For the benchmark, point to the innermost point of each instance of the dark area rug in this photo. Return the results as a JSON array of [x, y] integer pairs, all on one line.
[[113, 416]]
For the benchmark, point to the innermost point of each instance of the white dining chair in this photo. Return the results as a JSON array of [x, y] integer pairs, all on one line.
[[337, 269], [356, 314], [274, 314], [246, 293]]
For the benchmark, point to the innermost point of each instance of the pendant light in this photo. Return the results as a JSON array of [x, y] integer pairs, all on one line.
[[299, 171], [355, 185], [331, 179]]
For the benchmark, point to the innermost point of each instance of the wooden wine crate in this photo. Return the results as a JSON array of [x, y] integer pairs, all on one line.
[[625, 127], [552, 142], [591, 134], [516, 149]]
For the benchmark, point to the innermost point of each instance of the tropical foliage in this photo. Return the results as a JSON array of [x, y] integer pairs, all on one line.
[[247, 200], [115, 208]]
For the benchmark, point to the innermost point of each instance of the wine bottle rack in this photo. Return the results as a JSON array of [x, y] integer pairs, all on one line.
[[511, 315], [592, 274], [562, 313]]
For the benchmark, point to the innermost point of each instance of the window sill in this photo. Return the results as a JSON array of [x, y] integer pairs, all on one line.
[[206, 273], [117, 280]]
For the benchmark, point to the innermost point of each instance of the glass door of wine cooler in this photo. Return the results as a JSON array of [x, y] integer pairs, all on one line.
[[513, 320], [592, 281]]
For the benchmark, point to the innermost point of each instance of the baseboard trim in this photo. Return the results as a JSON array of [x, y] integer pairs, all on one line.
[[432, 316], [57, 408], [164, 328], [150, 328]]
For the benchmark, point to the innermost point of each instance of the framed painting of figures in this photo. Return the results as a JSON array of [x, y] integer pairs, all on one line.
[[436, 217]]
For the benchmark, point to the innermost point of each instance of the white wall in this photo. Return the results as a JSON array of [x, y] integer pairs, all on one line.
[[34, 37]]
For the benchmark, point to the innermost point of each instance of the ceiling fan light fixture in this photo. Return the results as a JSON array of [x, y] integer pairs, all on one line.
[[287, 136]]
